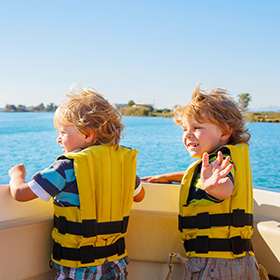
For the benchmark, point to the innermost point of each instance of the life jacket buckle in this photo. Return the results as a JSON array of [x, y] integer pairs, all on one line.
[[203, 220], [120, 246], [186, 246], [89, 228], [237, 245], [180, 223], [202, 244], [62, 225], [87, 254], [124, 224], [238, 218], [56, 251]]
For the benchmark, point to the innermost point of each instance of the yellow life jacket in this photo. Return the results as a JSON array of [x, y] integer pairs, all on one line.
[[94, 232], [224, 229]]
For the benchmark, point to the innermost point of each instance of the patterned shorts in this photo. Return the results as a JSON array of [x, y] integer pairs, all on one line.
[[245, 268], [107, 271]]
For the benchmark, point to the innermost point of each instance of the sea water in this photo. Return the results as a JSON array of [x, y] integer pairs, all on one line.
[[30, 138]]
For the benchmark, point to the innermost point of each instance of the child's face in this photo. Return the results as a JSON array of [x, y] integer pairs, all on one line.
[[202, 137], [70, 138]]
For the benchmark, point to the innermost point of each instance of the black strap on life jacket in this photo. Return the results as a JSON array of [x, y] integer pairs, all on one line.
[[238, 218], [88, 254], [204, 244], [89, 228]]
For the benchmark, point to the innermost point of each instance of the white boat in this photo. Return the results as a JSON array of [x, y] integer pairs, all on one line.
[[25, 235]]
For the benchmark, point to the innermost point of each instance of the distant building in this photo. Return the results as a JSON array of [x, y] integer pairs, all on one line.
[[119, 105]]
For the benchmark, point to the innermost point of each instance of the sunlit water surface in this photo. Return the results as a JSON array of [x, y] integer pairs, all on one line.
[[30, 138]]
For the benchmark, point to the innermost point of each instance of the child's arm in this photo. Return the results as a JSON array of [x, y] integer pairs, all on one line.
[[213, 176], [165, 178], [19, 189]]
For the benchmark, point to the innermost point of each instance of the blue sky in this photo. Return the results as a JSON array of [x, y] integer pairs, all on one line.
[[149, 51]]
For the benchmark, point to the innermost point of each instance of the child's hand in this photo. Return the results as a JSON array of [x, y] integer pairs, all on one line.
[[156, 179], [165, 178], [20, 190], [213, 174], [17, 169]]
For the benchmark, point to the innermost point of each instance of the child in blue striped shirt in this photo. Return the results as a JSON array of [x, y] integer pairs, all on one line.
[[93, 185]]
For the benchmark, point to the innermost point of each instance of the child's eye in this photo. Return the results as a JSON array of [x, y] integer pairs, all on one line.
[[197, 127]]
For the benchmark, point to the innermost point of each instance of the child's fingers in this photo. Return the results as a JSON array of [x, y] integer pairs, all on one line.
[[17, 168], [155, 179], [145, 178], [223, 180], [220, 157], [225, 162], [219, 160], [205, 160], [150, 179], [226, 170]]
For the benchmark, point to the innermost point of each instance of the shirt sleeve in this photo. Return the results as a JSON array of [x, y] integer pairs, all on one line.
[[39, 191], [138, 186], [54, 179]]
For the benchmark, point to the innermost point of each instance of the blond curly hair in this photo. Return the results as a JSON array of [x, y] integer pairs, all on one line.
[[216, 107], [87, 109]]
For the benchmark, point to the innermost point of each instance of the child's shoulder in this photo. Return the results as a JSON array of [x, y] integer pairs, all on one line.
[[63, 163], [238, 147]]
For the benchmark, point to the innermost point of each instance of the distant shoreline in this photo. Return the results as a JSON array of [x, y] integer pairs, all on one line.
[[266, 117]]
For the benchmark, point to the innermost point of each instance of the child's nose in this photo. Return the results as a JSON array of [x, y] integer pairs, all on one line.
[[58, 139], [187, 134]]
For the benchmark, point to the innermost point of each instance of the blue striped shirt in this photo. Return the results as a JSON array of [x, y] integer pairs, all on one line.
[[59, 181]]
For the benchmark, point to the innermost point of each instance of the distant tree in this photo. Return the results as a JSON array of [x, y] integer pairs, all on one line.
[[159, 111], [21, 108], [150, 107], [40, 108], [166, 110], [145, 111], [11, 108], [130, 103], [244, 100], [51, 107]]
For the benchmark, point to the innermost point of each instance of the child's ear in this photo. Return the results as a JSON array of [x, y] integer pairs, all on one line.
[[90, 136], [226, 134]]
